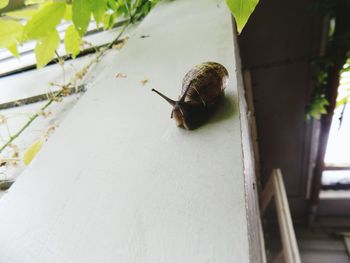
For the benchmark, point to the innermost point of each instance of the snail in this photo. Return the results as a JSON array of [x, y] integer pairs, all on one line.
[[202, 89]]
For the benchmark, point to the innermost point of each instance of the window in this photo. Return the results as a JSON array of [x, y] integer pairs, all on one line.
[[336, 174]]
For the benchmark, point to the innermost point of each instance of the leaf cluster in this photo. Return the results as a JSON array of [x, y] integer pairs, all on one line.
[[39, 20], [318, 102], [318, 106], [337, 49]]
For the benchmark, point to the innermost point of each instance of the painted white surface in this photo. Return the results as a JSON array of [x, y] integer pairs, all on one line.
[[37, 82], [16, 118], [118, 181]]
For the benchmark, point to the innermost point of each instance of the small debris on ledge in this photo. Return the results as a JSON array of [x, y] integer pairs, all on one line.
[[120, 75], [144, 81]]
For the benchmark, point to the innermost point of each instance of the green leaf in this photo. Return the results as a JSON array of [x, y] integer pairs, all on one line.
[[112, 4], [81, 15], [318, 107], [72, 41], [13, 49], [22, 14], [34, 2], [343, 100], [241, 10], [10, 32], [44, 21], [108, 21], [3, 3], [32, 151], [45, 48], [68, 14], [98, 10]]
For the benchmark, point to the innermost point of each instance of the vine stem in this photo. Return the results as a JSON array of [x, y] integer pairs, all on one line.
[[61, 63], [59, 93], [31, 119], [83, 72], [127, 8], [119, 35]]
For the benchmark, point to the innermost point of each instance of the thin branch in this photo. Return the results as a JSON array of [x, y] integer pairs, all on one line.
[[127, 9], [31, 119], [57, 55], [59, 93], [4, 161], [37, 98], [117, 39], [61, 63]]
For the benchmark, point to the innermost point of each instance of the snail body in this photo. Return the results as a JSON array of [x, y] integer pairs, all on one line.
[[202, 89]]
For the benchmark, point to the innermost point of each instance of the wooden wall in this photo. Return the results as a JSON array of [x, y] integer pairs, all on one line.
[[276, 46]]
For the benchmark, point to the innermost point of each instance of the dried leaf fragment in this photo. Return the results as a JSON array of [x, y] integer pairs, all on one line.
[[15, 150], [2, 119], [8, 161], [120, 75], [120, 44], [144, 81], [45, 114], [50, 130], [3, 162], [65, 91]]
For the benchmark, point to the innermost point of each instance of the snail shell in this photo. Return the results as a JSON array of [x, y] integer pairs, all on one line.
[[202, 88]]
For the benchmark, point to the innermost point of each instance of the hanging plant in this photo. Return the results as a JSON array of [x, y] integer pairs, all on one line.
[[327, 69]]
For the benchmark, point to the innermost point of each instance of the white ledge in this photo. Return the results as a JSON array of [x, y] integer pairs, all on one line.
[[118, 181]]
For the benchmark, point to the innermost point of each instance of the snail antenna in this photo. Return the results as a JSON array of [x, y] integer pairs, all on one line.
[[172, 102]]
